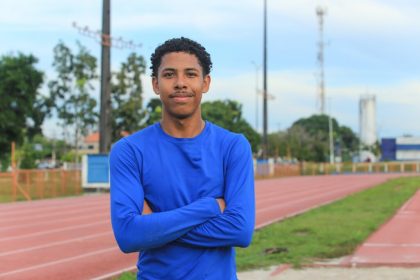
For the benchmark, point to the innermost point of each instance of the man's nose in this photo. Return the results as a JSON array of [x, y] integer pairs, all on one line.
[[180, 81]]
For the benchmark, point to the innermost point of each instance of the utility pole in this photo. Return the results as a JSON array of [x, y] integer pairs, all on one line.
[[104, 38], [321, 87], [265, 113], [105, 111], [330, 130], [257, 92]]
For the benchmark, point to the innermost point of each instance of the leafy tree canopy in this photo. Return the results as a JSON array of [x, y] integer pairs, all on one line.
[[308, 139], [21, 107], [228, 114], [70, 92], [126, 94]]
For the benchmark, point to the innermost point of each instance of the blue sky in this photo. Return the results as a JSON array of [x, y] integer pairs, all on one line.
[[372, 47]]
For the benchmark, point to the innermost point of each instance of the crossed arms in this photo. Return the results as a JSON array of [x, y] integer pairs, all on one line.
[[206, 222]]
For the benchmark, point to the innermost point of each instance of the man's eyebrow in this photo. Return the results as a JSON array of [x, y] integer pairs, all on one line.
[[168, 69]]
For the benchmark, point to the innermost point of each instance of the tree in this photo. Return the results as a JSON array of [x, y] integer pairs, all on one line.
[[21, 110], [314, 142], [228, 114], [153, 111], [278, 144], [39, 148], [126, 94], [70, 91]]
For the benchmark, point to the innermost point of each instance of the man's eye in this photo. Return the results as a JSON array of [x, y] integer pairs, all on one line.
[[168, 74], [191, 74]]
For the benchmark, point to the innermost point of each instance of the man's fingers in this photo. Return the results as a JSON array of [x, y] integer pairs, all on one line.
[[222, 204], [146, 209]]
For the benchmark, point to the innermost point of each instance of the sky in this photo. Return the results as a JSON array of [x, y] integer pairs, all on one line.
[[371, 48]]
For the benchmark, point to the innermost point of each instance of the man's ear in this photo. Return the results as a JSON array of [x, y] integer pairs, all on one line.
[[206, 83], [155, 85]]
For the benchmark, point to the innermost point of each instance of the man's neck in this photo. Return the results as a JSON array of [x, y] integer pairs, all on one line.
[[182, 128]]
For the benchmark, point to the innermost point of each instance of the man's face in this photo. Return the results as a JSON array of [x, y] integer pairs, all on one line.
[[180, 84]]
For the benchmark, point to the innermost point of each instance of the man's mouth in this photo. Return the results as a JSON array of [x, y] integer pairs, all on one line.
[[181, 97]]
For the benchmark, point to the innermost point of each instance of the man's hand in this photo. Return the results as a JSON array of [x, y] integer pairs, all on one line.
[[146, 209], [222, 204]]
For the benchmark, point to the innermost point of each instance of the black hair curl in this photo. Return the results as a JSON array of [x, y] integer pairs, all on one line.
[[181, 45]]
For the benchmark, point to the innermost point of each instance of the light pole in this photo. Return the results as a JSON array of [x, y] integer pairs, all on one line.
[[257, 92], [330, 132], [265, 113]]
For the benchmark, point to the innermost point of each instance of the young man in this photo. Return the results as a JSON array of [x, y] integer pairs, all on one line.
[[182, 190]]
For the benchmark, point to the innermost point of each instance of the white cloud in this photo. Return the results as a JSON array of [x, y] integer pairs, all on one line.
[[370, 39]]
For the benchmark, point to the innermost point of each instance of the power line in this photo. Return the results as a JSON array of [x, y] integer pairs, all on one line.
[[105, 39]]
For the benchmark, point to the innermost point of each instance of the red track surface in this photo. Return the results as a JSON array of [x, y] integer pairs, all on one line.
[[71, 238], [396, 243]]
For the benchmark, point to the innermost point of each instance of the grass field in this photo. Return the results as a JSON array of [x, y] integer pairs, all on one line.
[[330, 231]]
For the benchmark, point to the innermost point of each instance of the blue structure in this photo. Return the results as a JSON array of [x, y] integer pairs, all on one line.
[[95, 171], [400, 149], [388, 149]]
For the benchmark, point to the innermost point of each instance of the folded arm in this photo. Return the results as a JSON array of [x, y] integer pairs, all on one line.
[[135, 231], [236, 225]]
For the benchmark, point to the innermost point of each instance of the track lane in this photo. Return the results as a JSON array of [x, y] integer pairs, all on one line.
[[53, 247]]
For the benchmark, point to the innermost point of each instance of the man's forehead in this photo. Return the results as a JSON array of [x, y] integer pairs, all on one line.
[[180, 59]]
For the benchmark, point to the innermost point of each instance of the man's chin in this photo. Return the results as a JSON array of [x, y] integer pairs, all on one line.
[[181, 115]]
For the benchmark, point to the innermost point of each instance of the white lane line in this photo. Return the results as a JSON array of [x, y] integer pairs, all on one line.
[[7, 253], [25, 210], [53, 231], [54, 213], [382, 245], [58, 261], [116, 273], [80, 218], [342, 193]]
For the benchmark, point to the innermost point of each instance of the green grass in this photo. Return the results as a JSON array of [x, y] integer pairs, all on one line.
[[331, 231]]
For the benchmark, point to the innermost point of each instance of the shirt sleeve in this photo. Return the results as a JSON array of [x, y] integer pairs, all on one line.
[[132, 230], [236, 225]]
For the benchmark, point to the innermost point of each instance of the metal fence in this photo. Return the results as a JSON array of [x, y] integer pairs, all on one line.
[[267, 170], [365, 167], [37, 184]]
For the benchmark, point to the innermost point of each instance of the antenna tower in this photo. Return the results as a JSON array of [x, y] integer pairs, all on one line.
[[321, 87]]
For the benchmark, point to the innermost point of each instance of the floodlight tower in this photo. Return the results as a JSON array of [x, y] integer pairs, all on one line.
[[321, 87]]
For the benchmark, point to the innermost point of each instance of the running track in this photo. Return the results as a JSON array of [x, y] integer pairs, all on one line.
[[396, 243], [71, 238]]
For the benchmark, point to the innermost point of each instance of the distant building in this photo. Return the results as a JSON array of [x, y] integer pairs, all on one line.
[[400, 149], [90, 144]]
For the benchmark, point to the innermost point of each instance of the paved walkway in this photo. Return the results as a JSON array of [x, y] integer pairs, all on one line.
[[392, 252], [396, 243], [380, 273]]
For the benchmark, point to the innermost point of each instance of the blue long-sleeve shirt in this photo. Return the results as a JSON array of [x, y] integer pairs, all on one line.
[[187, 236]]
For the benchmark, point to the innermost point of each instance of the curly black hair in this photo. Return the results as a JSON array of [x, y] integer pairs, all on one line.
[[181, 45]]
